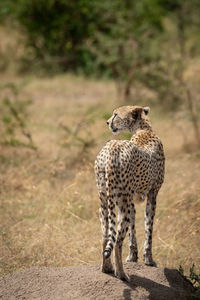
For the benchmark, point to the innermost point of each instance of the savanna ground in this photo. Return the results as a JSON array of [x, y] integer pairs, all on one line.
[[49, 202]]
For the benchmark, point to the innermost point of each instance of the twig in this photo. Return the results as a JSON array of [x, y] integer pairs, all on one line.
[[75, 216]]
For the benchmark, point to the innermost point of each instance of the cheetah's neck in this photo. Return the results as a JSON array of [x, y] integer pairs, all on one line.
[[143, 125]]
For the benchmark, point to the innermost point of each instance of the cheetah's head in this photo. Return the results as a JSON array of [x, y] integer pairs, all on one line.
[[126, 118]]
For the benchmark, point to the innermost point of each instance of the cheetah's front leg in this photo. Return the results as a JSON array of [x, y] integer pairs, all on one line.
[[149, 216]]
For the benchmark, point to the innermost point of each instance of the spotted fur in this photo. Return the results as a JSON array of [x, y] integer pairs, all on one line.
[[126, 170]]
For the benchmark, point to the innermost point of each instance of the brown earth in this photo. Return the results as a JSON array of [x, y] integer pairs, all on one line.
[[88, 282]]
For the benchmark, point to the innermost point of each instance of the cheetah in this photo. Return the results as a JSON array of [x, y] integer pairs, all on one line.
[[126, 170]]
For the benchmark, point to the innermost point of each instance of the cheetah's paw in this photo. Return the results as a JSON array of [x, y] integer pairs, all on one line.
[[123, 276], [107, 268], [150, 262], [132, 258]]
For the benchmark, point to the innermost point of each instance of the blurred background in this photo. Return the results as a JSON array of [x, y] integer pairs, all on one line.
[[64, 66]]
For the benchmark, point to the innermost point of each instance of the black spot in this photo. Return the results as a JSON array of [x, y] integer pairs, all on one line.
[[113, 238]]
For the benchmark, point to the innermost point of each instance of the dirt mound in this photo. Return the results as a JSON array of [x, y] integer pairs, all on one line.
[[88, 282]]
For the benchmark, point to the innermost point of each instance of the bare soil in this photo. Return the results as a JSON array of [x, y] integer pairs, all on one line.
[[88, 282]]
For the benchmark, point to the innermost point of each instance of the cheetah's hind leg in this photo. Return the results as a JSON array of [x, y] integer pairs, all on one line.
[[123, 224], [149, 216], [133, 250], [107, 266]]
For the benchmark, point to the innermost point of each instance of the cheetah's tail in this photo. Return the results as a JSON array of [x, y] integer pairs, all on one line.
[[111, 236], [111, 220]]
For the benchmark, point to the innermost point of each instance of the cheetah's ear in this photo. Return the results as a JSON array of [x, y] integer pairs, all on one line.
[[146, 110], [136, 113]]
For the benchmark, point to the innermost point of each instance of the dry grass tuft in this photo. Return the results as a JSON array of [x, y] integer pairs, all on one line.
[[49, 203]]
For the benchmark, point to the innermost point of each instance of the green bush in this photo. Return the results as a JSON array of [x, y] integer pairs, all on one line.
[[58, 31], [194, 278], [14, 119]]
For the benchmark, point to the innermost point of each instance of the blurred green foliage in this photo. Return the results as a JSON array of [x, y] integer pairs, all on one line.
[[136, 42], [59, 31], [94, 36]]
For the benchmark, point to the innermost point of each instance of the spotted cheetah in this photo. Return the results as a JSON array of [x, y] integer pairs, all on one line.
[[126, 170]]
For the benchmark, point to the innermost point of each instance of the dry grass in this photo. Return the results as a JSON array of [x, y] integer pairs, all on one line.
[[49, 203]]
